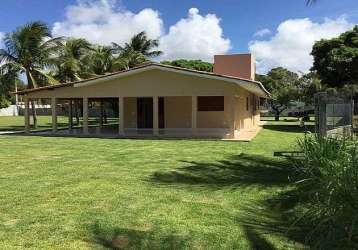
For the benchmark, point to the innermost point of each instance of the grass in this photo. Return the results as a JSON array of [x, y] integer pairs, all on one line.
[[75, 193], [16, 123]]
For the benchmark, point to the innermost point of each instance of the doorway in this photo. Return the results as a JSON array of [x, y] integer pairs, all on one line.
[[161, 116], [145, 112]]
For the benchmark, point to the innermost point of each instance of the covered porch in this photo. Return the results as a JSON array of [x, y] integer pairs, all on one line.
[[140, 117]]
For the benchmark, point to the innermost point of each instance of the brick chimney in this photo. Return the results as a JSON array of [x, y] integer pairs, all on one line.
[[241, 65]]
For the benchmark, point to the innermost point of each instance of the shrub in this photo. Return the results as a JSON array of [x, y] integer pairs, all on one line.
[[328, 184], [4, 103]]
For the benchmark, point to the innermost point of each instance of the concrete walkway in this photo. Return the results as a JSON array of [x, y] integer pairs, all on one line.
[[10, 132]]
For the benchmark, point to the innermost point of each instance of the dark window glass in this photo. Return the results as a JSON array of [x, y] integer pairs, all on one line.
[[247, 103], [210, 103]]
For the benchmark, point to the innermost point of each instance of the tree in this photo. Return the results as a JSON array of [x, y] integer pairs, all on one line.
[[8, 78], [69, 62], [140, 43], [128, 59], [191, 64], [308, 85], [283, 86], [28, 50], [336, 60], [100, 61]]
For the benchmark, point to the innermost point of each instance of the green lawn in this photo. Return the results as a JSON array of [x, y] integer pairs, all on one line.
[[76, 193], [16, 123], [13, 123]]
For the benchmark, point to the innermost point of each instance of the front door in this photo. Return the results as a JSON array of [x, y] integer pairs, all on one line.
[[145, 112]]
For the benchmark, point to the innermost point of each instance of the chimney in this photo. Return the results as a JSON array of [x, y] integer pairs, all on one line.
[[241, 65]]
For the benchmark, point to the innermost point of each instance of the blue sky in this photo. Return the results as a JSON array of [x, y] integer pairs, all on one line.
[[230, 26]]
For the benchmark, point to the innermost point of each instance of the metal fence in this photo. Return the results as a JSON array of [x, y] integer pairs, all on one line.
[[334, 114]]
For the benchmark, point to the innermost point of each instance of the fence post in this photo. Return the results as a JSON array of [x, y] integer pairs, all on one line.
[[320, 114]]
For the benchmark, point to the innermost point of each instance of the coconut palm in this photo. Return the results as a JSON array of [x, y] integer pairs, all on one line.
[[69, 62], [28, 50], [128, 59], [100, 61], [141, 43], [310, 2]]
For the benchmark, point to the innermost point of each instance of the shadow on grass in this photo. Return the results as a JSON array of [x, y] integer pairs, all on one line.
[[274, 216], [21, 127], [257, 241], [290, 128], [124, 238], [238, 171]]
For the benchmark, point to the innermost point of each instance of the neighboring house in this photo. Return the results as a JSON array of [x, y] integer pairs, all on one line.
[[161, 100]]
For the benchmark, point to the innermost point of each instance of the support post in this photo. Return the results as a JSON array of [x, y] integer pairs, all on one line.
[[70, 114], [155, 116], [54, 114], [101, 114], [232, 118], [27, 115], [85, 115], [194, 111], [121, 115]]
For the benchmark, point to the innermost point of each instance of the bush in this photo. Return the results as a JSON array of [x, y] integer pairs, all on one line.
[[4, 103], [328, 183]]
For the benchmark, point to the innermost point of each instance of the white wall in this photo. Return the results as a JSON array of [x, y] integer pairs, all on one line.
[[9, 111]]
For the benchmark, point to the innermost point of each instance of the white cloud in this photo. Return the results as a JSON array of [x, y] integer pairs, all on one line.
[[102, 22], [263, 32], [291, 46], [195, 37]]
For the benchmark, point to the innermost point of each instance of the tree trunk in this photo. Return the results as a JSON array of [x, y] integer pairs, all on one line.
[[277, 116], [30, 85], [277, 113], [33, 110]]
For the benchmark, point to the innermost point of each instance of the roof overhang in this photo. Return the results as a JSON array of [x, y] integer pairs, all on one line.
[[251, 86]]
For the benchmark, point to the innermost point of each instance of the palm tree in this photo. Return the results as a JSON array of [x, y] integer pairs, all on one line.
[[140, 43], [28, 49], [128, 59], [100, 61], [310, 2], [69, 62]]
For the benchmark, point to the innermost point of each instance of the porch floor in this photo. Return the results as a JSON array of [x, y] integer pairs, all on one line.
[[111, 131]]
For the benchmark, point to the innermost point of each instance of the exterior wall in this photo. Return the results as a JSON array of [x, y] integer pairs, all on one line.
[[246, 119], [12, 110], [242, 65], [215, 119], [177, 112], [130, 112]]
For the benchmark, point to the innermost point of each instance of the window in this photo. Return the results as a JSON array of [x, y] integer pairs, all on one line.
[[210, 103], [247, 103]]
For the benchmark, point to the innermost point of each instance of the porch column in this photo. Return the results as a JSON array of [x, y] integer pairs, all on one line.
[[232, 118], [101, 114], [155, 116], [194, 111], [54, 114], [121, 115], [70, 114], [85, 115], [27, 116]]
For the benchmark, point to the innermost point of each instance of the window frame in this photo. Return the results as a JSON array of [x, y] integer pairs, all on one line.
[[211, 103]]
